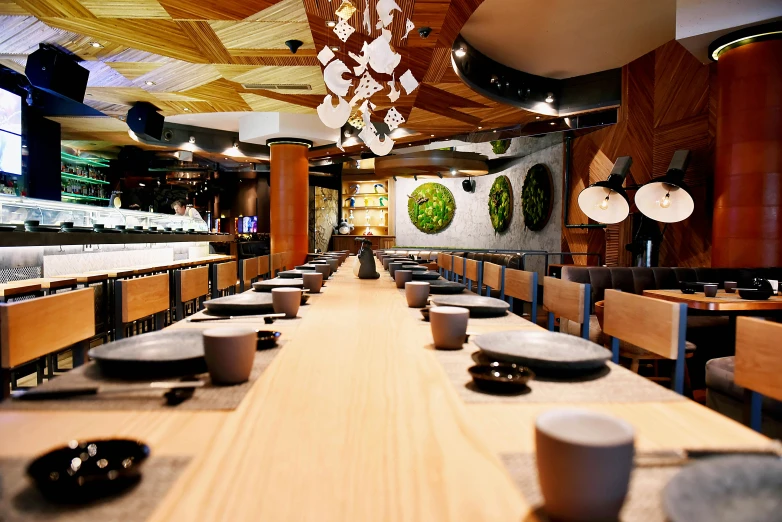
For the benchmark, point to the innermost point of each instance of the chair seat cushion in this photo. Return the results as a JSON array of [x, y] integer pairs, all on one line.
[[720, 377]]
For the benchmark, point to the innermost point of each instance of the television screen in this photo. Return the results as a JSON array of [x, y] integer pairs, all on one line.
[[253, 225], [10, 153], [10, 112]]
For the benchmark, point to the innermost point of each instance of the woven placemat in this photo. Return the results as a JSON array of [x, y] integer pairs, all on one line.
[[612, 384], [210, 397], [20, 501], [644, 497]]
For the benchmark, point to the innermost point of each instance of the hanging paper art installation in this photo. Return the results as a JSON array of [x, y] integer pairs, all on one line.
[[377, 56]]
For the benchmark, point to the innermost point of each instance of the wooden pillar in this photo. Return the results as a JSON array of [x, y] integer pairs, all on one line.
[[747, 222], [289, 198]]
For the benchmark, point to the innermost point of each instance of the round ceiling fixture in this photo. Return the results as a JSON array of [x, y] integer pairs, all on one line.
[[757, 33]]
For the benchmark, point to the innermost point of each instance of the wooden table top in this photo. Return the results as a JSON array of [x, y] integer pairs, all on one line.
[[723, 302], [355, 420]]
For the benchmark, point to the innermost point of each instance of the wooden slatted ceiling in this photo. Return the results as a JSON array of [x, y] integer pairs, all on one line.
[[214, 10]]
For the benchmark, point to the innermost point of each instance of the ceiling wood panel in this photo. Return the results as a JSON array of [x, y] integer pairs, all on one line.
[[55, 8], [132, 70], [262, 35], [125, 8], [11, 8], [210, 45], [221, 94], [283, 11], [214, 9], [263, 104]]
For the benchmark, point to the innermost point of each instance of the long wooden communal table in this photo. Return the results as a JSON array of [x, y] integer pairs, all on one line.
[[355, 420]]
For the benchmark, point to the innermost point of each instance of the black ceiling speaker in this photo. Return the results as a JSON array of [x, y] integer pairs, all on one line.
[[294, 45], [468, 185], [144, 119], [424, 32], [54, 71]]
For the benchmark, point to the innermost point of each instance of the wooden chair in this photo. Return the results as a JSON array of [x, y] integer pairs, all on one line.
[[493, 278], [140, 298], [32, 329], [473, 273], [458, 268], [522, 285], [278, 264], [565, 299], [223, 279], [758, 364], [655, 325], [191, 284], [445, 262], [264, 267], [248, 273]]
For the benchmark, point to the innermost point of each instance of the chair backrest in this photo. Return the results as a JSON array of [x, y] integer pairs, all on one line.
[[225, 275], [143, 297], [472, 273], [263, 265], [458, 265], [758, 364], [194, 283], [37, 327], [249, 271], [564, 298], [520, 284], [277, 263], [655, 325], [492, 276], [445, 261]]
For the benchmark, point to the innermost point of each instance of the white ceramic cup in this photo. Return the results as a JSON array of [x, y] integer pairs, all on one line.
[[312, 282], [449, 326], [584, 462], [286, 301], [416, 292], [402, 276], [229, 354]]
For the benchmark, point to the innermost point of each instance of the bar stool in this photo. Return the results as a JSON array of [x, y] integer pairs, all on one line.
[[25, 337], [521, 285], [223, 279], [654, 325], [248, 273], [191, 284], [140, 298], [566, 299]]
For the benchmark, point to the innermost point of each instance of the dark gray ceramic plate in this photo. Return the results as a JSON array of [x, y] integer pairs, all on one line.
[[242, 304], [441, 286], [269, 284], [416, 268], [726, 489], [292, 274], [308, 267], [425, 276], [167, 353], [478, 305], [546, 350]]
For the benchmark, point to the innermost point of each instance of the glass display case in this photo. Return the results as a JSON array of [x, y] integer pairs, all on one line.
[[15, 210]]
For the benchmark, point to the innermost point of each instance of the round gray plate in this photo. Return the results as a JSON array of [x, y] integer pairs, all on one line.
[[547, 350], [292, 274], [269, 284], [171, 352], [308, 267], [479, 306], [441, 286], [245, 303], [726, 489], [416, 268], [425, 276]]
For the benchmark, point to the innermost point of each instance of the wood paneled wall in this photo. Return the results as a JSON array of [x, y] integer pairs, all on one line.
[[668, 103]]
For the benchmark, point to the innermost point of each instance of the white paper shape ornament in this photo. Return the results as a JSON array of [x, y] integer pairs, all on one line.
[[393, 119], [408, 81], [332, 76], [409, 26], [367, 86], [394, 94], [381, 57], [361, 59], [325, 55], [367, 22], [334, 117], [343, 30], [385, 10]]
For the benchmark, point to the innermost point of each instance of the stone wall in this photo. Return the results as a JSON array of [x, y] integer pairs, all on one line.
[[325, 201]]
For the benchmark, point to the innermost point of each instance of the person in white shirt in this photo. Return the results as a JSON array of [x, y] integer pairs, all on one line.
[[181, 209]]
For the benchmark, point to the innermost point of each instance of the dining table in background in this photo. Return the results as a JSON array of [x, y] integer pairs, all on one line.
[[355, 420]]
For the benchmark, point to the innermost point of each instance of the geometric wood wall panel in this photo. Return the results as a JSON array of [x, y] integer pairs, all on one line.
[[125, 8], [262, 104]]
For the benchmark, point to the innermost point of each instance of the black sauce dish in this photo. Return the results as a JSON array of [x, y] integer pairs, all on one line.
[[500, 377], [84, 471], [267, 339]]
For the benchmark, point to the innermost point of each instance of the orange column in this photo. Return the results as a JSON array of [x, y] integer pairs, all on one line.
[[289, 198], [747, 222]]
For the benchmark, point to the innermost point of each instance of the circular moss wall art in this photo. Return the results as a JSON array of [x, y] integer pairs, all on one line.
[[501, 204], [431, 207], [537, 197]]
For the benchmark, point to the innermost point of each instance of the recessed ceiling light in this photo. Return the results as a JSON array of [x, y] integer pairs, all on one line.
[[186, 109], [96, 45], [149, 82], [335, 47], [453, 172], [479, 127], [550, 97], [432, 135], [552, 123], [460, 52], [495, 130], [142, 184], [331, 23], [537, 117]]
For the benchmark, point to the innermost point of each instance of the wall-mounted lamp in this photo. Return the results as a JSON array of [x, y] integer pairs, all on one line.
[[192, 139], [453, 172], [667, 199], [606, 201], [550, 97]]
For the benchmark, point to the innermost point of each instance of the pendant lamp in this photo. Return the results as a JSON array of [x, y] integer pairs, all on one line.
[[606, 201], [667, 199]]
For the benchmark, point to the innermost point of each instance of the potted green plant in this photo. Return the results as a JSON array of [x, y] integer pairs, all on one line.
[[537, 197], [501, 204], [499, 146], [431, 207]]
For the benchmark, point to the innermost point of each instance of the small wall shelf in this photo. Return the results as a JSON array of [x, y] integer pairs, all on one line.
[[365, 208], [83, 179], [82, 197]]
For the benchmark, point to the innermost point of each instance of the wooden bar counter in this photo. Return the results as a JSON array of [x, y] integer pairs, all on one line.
[[355, 420]]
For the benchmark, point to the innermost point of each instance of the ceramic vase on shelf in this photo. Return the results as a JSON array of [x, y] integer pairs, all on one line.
[[354, 189], [350, 202], [382, 200], [379, 187], [366, 201]]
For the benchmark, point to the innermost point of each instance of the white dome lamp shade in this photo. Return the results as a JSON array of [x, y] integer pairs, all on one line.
[[606, 201], [667, 199]]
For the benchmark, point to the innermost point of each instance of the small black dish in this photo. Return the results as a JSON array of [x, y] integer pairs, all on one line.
[[267, 339], [191, 231], [689, 287], [481, 358], [152, 229], [88, 470], [138, 228], [754, 294], [66, 224], [32, 223], [119, 227], [98, 227], [500, 378]]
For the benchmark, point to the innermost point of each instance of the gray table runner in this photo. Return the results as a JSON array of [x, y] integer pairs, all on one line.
[[21, 501]]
